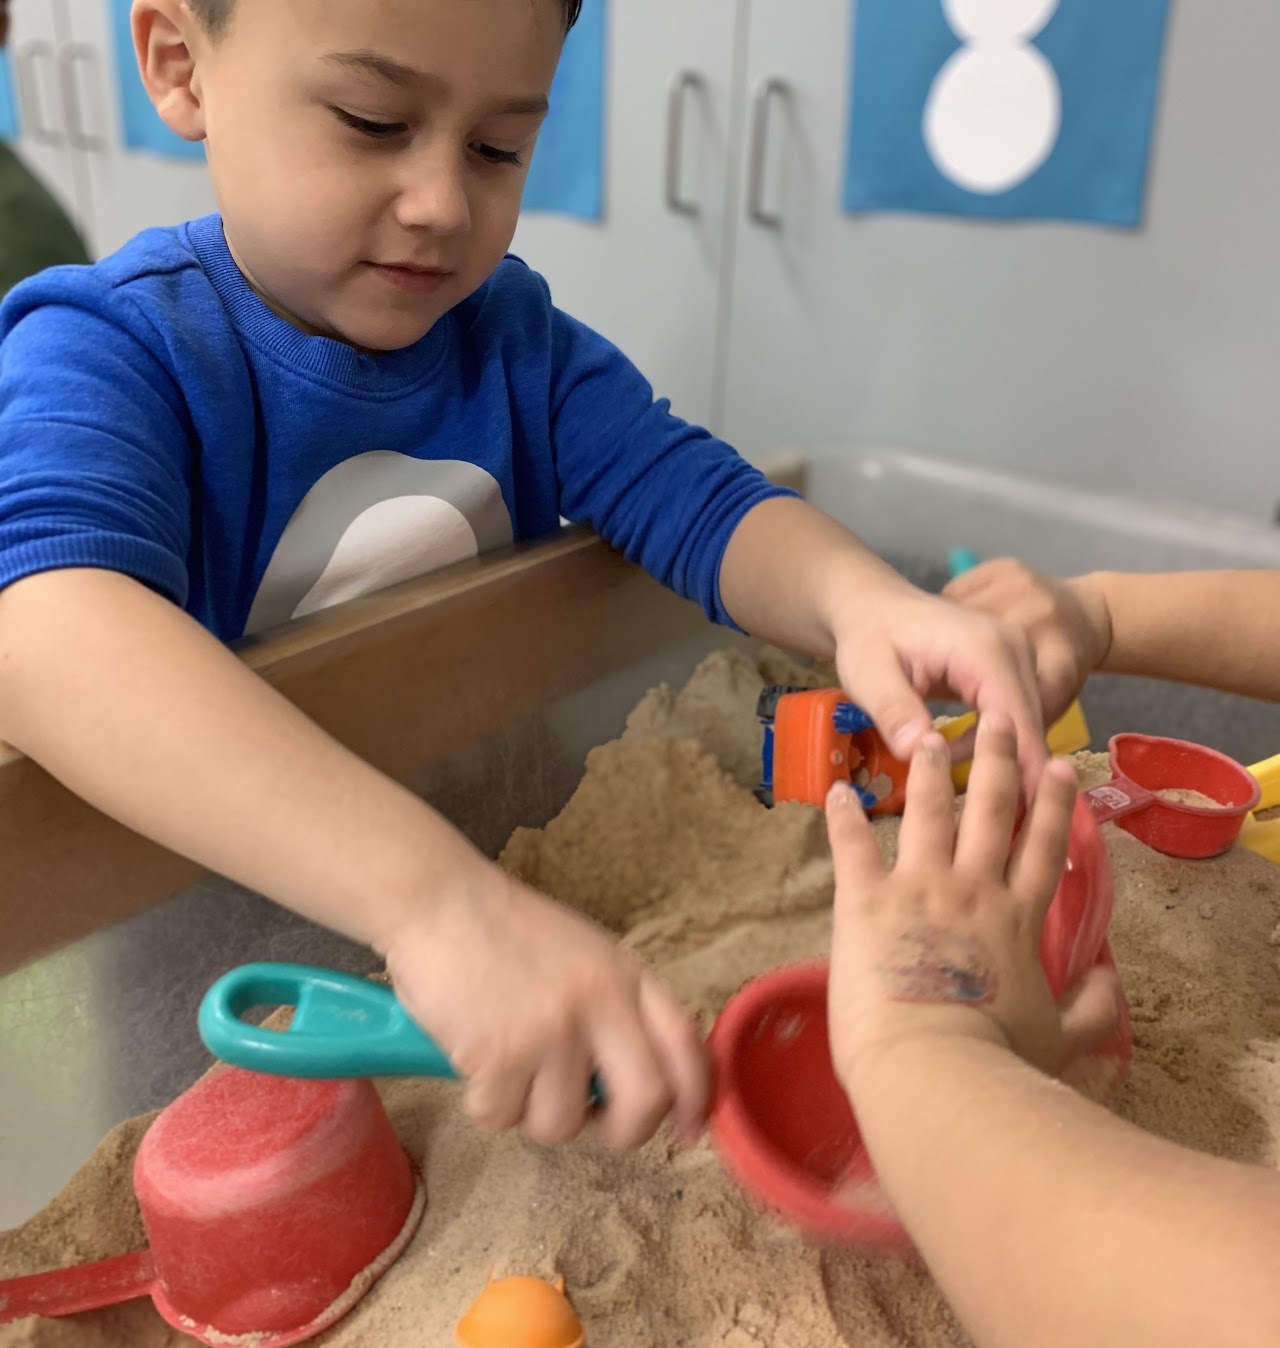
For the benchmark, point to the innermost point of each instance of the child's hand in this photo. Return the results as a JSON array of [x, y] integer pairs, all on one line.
[[948, 942], [902, 645], [530, 999], [1066, 621]]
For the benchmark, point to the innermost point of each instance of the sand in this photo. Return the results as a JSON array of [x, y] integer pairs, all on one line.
[[664, 843]]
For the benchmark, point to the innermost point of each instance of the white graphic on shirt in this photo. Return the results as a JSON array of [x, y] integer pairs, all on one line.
[[373, 520], [994, 113]]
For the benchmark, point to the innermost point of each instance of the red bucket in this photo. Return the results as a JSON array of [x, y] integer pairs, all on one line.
[[781, 1119], [271, 1206]]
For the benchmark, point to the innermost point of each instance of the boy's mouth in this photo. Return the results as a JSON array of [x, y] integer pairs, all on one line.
[[411, 277]]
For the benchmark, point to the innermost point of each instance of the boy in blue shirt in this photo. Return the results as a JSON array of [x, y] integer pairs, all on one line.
[[339, 382]]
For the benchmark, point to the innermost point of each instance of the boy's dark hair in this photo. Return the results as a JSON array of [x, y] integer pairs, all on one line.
[[215, 13]]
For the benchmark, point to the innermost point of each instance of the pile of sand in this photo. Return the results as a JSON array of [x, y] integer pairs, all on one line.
[[664, 843]]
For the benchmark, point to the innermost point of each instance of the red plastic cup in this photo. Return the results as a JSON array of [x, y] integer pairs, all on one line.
[[271, 1206], [1142, 765], [783, 1123]]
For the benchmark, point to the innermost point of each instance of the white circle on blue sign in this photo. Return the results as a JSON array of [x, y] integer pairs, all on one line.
[[994, 113], [998, 20]]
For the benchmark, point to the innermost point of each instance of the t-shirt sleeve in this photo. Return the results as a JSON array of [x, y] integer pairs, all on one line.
[[665, 493], [95, 447]]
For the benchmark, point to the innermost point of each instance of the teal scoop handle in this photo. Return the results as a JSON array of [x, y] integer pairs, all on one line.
[[343, 1026]]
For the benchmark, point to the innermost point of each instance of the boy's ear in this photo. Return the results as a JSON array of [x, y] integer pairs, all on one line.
[[166, 36]]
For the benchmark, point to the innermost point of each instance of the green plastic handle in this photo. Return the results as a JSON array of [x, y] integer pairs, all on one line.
[[343, 1026]]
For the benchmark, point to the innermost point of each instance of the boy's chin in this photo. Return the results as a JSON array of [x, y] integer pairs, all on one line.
[[378, 336]]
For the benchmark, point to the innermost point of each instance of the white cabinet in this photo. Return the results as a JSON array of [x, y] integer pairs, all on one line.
[[64, 70], [129, 190], [651, 275], [47, 137]]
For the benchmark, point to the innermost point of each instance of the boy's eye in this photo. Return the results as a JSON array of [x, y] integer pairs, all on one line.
[[375, 130], [492, 155]]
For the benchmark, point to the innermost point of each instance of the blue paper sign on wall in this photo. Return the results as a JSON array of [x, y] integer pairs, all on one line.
[[567, 173], [1014, 108], [8, 104], [141, 124]]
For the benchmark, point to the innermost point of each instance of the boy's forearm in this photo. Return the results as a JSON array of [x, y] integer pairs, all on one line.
[[137, 709], [1047, 1220], [1215, 628], [787, 569]]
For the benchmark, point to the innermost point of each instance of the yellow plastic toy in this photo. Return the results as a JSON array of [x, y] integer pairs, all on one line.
[[1263, 836], [521, 1313], [1069, 733]]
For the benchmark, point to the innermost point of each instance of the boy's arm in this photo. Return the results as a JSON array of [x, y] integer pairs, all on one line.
[[793, 575], [1212, 628], [1045, 1219], [132, 705]]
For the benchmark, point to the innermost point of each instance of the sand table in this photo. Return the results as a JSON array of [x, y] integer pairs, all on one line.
[[664, 843]]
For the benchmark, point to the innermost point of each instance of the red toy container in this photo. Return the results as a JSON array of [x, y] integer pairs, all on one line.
[[1142, 765], [271, 1206], [781, 1119]]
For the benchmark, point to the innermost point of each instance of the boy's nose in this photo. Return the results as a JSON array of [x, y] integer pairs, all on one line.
[[434, 196]]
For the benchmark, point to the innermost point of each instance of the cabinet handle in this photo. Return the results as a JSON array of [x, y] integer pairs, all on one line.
[[71, 55], [683, 84], [767, 92], [29, 92]]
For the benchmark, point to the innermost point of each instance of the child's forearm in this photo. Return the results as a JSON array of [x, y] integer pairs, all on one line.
[[1048, 1221], [789, 569], [1215, 628], [137, 709]]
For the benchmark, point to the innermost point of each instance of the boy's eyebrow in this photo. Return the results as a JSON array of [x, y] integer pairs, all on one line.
[[374, 63]]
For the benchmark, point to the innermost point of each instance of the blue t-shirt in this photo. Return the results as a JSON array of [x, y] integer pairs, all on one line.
[[157, 419]]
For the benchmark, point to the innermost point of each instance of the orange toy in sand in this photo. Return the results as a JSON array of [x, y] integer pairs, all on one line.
[[521, 1313]]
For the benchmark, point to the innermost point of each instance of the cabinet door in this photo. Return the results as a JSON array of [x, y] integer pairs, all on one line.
[[1134, 360], [649, 275], [130, 190], [36, 41]]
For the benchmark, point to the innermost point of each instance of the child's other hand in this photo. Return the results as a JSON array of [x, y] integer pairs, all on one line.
[[905, 645], [948, 942], [529, 999], [1066, 621]]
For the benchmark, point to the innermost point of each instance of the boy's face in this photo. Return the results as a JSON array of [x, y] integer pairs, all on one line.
[[369, 155]]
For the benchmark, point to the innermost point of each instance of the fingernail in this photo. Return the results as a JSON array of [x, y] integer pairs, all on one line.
[[933, 745], [840, 794]]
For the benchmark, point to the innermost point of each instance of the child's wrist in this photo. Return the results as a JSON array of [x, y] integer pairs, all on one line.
[[1092, 592], [884, 1043]]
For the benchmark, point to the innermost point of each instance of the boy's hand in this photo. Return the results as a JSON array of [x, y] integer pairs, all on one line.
[[529, 999], [1066, 621], [901, 646], [948, 942]]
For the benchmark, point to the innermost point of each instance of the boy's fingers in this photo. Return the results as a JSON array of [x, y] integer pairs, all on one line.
[[1090, 1012], [929, 816], [638, 1095], [854, 852], [1015, 696], [1041, 853], [891, 700], [991, 803], [558, 1099], [497, 1101], [680, 1048]]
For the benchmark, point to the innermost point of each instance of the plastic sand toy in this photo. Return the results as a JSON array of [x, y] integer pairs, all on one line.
[[521, 1313]]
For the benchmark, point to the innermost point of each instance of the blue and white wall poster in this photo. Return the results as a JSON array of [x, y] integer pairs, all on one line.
[[140, 122], [8, 104], [567, 173], [1017, 108]]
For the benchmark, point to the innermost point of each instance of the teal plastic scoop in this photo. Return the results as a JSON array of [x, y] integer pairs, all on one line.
[[342, 1026]]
